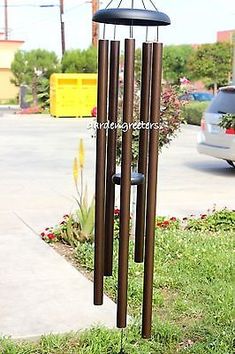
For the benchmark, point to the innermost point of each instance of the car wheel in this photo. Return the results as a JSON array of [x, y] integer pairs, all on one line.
[[231, 163]]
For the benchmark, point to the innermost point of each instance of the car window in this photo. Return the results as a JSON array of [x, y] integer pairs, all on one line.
[[203, 96], [224, 102]]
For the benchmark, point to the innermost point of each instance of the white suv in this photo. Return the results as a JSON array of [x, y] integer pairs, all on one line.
[[213, 140]]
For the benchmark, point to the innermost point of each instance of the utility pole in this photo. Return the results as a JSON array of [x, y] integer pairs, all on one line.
[[6, 19], [62, 26], [95, 25]]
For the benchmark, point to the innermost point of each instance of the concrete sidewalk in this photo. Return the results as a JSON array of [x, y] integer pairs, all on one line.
[[40, 292]]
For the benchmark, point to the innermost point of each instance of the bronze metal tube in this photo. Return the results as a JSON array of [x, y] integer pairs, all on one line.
[[125, 183], [111, 155], [100, 170], [143, 149], [151, 191]]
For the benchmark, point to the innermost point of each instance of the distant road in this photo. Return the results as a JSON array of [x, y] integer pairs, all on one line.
[[6, 109]]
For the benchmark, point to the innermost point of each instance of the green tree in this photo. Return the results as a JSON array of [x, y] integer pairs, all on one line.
[[33, 68], [175, 58], [212, 63], [80, 61]]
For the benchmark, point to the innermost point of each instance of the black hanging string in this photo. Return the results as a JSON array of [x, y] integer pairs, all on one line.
[[143, 4], [153, 5], [115, 27], [109, 4], [147, 29]]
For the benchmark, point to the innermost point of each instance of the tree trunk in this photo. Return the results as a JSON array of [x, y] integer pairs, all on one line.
[[34, 92]]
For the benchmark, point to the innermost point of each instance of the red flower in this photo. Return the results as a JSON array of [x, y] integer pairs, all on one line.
[[94, 112], [116, 211], [165, 223], [51, 236], [173, 218], [203, 216]]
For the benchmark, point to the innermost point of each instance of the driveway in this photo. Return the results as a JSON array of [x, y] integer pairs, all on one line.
[[190, 183], [36, 182]]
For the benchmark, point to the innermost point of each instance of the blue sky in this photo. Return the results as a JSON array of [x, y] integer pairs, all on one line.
[[193, 21]]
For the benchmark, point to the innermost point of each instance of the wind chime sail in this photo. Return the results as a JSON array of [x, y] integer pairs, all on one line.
[[146, 177]]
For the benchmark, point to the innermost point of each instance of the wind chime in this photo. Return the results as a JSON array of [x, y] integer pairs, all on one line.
[[146, 177]]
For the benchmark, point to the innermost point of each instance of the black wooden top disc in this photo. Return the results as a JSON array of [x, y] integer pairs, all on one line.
[[132, 17]]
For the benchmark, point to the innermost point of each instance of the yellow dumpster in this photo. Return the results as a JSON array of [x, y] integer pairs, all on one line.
[[72, 95]]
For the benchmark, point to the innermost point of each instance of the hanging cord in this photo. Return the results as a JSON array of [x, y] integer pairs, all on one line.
[[121, 345], [131, 27], [153, 5], [156, 38], [115, 27], [119, 4], [147, 29], [157, 35], [109, 4]]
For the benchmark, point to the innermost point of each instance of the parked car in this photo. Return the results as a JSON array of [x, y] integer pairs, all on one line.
[[212, 139], [197, 96]]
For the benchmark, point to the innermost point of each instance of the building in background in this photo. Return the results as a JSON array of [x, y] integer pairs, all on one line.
[[229, 36], [226, 36], [8, 48]]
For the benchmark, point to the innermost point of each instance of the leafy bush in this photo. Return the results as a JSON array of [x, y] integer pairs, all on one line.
[[221, 220], [227, 121], [80, 61], [168, 223], [34, 68], [68, 231], [193, 111], [170, 120]]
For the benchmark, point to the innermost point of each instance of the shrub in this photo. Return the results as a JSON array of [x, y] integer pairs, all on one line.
[[170, 120], [221, 220], [80, 61], [227, 121], [193, 111], [172, 223]]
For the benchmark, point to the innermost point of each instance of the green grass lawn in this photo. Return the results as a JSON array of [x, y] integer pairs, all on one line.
[[192, 301]]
